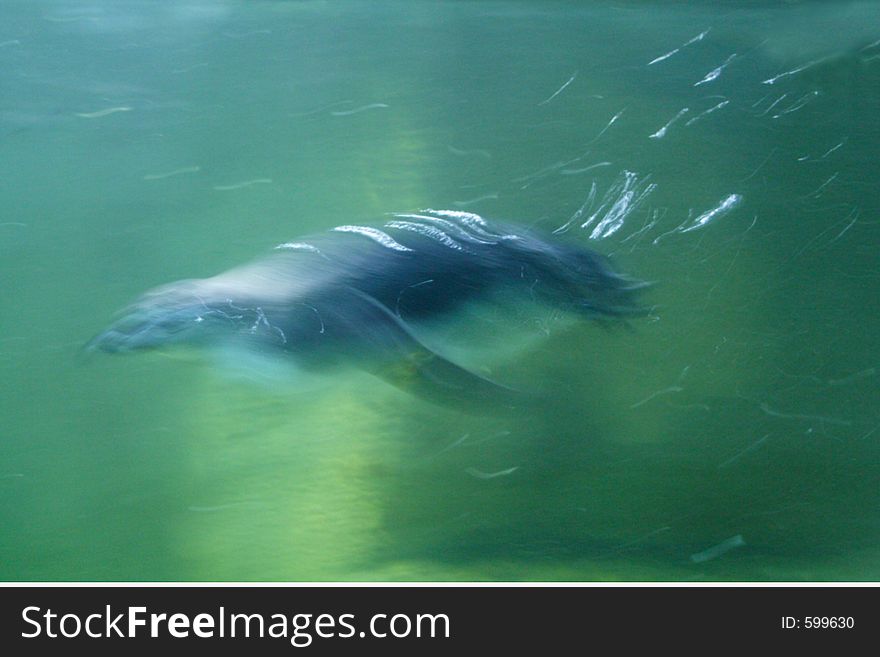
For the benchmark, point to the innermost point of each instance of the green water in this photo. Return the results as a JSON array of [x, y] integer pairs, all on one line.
[[732, 434]]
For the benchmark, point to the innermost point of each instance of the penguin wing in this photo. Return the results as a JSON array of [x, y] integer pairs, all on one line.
[[382, 344]]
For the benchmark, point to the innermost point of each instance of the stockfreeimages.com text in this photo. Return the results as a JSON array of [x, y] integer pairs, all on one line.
[[300, 629]]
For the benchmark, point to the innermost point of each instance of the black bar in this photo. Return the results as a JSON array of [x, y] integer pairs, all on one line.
[[710, 619]]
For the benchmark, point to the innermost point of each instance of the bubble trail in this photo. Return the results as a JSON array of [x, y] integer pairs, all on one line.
[[707, 112], [715, 73], [560, 90], [720, 210], [662, 131], [699, 37]]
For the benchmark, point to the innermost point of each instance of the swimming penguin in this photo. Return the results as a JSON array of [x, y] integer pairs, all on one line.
[[357, 295]]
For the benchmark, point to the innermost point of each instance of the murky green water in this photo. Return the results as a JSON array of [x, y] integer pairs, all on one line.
[[733, 434]]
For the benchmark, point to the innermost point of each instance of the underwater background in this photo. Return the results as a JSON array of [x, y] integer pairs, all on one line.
[[725, 151]]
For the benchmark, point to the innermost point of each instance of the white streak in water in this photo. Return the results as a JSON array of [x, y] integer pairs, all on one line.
[[855, 217], [479, 474], [427, 231], [314, 310], [666, 56], [409, 215], [818, 192], [458, 214], [454, 444], [360, 109], [532, 177], [772, 105], [751, 448], [409, 287], [621, 200], [246, 183], [699, 37], [726, 205], [572, 172], [463, 204], [831, 150], [665, 391], [474, 223], [795, 71], [708, 111], [608, 125], [759, 101], [560, 90], [806, 418], [718, 550], [585, 206], [449, 227], [478, 152], [176, 172], [104, 112], [322, 109], [715, 73], [299, 246], [803, 100], [662, 131], [760, 166], [374, 234], [648, 225]]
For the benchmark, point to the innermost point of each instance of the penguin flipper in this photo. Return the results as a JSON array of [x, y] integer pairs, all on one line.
[[398, 357]]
